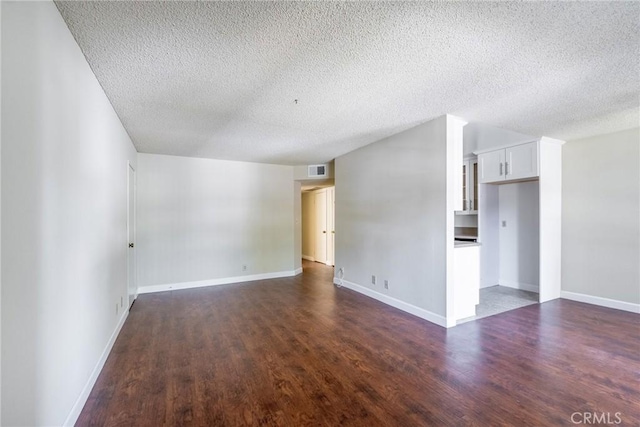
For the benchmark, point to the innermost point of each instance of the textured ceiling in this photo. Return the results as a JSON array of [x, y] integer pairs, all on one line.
[[221, 79]]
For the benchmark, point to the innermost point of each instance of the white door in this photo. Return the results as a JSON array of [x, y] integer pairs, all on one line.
[[321, 226], [331, 228], [491, 166], [522, 161], [131, 235]]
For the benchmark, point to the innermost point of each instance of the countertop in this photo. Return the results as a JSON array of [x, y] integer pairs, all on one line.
[[459, 244]]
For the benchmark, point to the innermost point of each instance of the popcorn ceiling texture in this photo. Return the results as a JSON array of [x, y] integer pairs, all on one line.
[[220, 80]]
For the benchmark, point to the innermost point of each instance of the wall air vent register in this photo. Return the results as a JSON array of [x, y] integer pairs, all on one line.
[[317, 171]]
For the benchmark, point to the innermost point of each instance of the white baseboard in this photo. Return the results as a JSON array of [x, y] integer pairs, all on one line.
[[213, 282], [297, 271], [400, 305], [309, 258], [604, 302], [520, 285], [84, 395]]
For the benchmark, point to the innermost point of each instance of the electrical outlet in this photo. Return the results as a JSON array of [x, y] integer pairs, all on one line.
[[386, 284], [373, 280], [244, 267], [504, 223]]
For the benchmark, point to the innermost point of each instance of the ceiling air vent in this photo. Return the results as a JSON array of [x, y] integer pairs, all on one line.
[[317, 171]]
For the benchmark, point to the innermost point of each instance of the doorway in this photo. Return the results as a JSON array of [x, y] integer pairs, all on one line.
[[318, 231], [509, 229], [132, 287]]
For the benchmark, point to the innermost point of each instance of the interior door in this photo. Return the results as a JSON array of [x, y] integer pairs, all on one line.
[[331, 226], [321, 226], [131, 236]]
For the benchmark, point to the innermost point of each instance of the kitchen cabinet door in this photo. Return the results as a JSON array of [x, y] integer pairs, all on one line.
[[469, 201], [466, 281], [465, 185], [491, 165], [521, 161], [473, 186], [509, 164]]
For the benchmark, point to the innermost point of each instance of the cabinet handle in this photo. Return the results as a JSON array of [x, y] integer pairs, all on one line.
[[506, 168], [500, 169]]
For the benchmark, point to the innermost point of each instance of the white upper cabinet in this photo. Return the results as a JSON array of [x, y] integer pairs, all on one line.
[[491, 166], [509, 164], [522, 161], [469, 187], [455, 132]]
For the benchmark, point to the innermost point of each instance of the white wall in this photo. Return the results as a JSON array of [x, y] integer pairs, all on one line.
[[391, 216], [0, 220], [519, 240], [601, 216], [203, 219], [64, 213], [489, 234]]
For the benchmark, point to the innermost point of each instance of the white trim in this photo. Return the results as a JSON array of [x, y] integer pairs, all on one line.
[[131, 210], [400, 305], [309, 258], [297, 271], [603, 302], [84, 395], [553, 140], [550, 222], [519, 285], [454, 137], [134, 298], [213, 282]]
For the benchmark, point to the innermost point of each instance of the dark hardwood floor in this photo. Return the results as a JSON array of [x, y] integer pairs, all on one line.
[[299, 351]]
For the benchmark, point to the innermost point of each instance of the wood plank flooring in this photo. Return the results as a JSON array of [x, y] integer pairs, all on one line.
[[299, 351]]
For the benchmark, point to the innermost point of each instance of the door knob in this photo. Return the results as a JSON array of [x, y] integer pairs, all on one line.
[[130, 245]]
